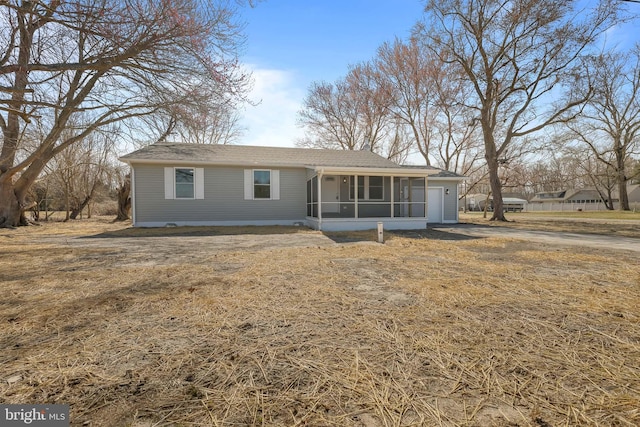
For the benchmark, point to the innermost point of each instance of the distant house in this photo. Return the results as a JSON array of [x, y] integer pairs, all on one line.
[[476, 202], [567, 200], [587, 199], [197, 184], [576, 196], [633, 191]]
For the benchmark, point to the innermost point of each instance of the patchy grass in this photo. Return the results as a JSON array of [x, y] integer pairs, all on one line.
[[588, 215], [603, 215], [172, 330], [613, 223]]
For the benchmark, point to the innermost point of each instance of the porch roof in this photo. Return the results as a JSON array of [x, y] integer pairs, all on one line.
[[397, 171]]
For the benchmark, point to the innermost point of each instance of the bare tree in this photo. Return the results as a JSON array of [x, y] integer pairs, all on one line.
[[603, 179], [410, 76], [203, 119], [81, 169], [517, 55], [74, 67], [398, 144], [328, 118], [554, 173], [350, 114], [212, 126], [610, 123], [427, 97], [123, 192]]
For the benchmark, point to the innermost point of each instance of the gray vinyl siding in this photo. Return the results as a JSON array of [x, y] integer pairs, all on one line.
[[450, 201], [223, 197]]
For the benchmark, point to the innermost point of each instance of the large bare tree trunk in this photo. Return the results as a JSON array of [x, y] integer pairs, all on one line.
[[622, 184], [124, 199], [76, 210], [13, 206], [67, 203], [11, 200], [496, 191], [161, 52], [491, 156]]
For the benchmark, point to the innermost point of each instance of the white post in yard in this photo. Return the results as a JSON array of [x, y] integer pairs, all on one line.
[[380, 233]]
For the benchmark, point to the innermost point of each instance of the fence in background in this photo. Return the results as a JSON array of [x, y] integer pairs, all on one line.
[[573, 207]]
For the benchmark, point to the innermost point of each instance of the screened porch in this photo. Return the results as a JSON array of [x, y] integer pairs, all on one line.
[[369, 198]]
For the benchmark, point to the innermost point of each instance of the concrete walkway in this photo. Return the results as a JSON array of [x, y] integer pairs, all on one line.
[[554, 238]]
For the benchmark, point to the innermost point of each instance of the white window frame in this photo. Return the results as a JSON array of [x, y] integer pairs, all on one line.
[[175, 183], [366, 188], [249, 185], [170, 183], [253, 177]]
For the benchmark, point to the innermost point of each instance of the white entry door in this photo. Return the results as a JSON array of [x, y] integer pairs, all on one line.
[[435, 205], [330, 194]]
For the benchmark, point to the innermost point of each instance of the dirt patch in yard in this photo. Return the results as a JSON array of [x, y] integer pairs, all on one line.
[[293, 327]]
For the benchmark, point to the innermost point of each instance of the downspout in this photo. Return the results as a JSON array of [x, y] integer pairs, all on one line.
[[320, 174], [457, 205], [133, 195]]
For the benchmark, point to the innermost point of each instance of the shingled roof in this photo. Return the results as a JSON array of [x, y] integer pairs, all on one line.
[[441, 174], [245, 155]]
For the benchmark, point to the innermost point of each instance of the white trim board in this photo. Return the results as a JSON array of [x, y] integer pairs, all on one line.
[[218, 223]]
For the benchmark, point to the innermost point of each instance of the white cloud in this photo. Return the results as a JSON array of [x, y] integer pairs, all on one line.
[[273, 121]]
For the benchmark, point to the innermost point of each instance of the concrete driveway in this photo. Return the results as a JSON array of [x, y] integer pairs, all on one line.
[[599, 241]]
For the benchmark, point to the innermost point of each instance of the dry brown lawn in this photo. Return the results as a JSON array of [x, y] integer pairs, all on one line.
[[170, 328], [613, 223]]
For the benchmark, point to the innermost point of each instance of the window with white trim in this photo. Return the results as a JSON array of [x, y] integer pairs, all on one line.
[[261, 184], [184, 183], [369, 188]]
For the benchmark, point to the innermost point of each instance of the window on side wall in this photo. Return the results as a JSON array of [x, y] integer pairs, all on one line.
[[261, 184], [185, 183]]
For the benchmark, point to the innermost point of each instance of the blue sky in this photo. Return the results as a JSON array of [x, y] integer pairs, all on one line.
[[291, 43]]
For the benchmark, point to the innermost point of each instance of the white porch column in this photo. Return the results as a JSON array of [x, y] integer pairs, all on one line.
[[355, 196], [392, 195], [426, 197], [410, 196], [319, 201]]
